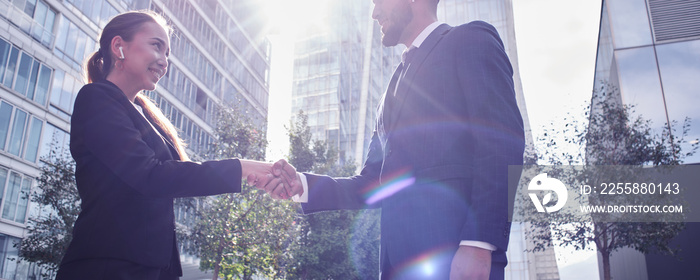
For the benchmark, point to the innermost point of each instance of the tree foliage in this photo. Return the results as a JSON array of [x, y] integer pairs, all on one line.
[[242, 235], [50, 232], [613, 135], [335, 244]]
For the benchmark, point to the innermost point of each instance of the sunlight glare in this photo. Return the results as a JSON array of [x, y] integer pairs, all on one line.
[[292, 16]]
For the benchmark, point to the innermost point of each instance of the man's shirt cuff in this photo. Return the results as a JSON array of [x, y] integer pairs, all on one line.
[[478, 244], [304, 198]]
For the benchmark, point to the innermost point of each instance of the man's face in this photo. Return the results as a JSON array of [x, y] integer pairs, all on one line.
[[392, 16]]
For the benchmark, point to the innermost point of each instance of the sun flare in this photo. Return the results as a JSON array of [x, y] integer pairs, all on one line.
[[289, 17]]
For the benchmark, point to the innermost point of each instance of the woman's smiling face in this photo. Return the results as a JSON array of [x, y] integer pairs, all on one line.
[[146, 56]]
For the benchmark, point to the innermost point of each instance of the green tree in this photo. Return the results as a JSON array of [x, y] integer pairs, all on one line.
[[242, 235], [335, 244], [49, 234], [612, 135]]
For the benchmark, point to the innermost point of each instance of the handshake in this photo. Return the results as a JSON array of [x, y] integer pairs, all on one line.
[[279, 179]]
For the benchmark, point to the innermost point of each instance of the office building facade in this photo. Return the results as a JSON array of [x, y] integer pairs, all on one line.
[[218, 56], [648, 58], [340, 72]]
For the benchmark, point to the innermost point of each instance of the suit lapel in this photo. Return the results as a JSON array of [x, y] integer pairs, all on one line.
[[161, 134], [142, 123], [407, 84], [384, 115]]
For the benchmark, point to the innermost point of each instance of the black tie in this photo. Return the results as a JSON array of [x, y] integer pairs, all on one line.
[[390, 101], [406, 57], [408, 54]]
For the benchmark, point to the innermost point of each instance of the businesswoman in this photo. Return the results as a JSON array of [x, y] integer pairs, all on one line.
[[130, 163]]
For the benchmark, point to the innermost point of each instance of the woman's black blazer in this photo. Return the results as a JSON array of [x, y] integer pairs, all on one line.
[[127, 176]]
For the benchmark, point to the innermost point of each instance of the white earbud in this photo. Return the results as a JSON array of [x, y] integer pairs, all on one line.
[[121, 52]]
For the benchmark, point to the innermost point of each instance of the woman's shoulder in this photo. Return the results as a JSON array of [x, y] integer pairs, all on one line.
[[100, 86], [99, 94], [100, 89]]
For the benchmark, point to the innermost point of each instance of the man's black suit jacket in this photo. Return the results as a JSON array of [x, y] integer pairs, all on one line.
[[127, 176], [438, 159]]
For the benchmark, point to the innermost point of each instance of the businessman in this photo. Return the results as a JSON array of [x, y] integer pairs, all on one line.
[[447, 129]]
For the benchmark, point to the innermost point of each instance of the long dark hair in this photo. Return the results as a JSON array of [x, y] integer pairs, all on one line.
[[101, 63]]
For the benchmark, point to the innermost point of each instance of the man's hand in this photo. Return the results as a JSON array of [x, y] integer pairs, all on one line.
[[471, 263], [288, 173]]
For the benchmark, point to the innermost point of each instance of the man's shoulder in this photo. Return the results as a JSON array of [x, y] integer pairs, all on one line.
[[474, 33], [471, 27]]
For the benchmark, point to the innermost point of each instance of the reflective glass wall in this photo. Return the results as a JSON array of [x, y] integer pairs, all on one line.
[[649, 52], [649, 57]]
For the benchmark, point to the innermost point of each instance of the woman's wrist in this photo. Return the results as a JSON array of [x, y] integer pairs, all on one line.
[[251, 169]]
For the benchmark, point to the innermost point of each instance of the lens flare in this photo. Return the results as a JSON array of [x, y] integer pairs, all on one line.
[[426, 265], [387, 189]]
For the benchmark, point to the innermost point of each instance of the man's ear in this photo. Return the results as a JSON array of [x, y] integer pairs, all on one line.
[[117, 42]]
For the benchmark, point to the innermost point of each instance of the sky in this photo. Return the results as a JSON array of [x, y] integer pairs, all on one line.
[[556, 44]]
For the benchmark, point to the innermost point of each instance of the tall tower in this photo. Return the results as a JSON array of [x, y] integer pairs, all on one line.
[[218, 55], [340, 73], [499, 13]]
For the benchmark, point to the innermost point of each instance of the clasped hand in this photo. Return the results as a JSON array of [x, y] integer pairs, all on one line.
[[278, 179]]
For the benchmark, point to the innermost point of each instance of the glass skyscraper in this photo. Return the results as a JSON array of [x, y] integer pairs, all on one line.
[[648, 57], [648, 50], [340, 72], [219, 56]]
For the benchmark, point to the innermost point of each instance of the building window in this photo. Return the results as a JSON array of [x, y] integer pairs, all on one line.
[[5, 117], [34, 17], [8, 268], [63, 92], [186, 91], [16, 197], [678, 66], [633, 29], [99, 11], [55, 139], [14, 193], [33, 137], [73, 44], [11, 67], [19, 132], [23, 73]]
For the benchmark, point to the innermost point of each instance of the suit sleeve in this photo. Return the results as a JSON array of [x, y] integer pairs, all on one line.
[[486, 77], [103, 126], [327, 193]]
